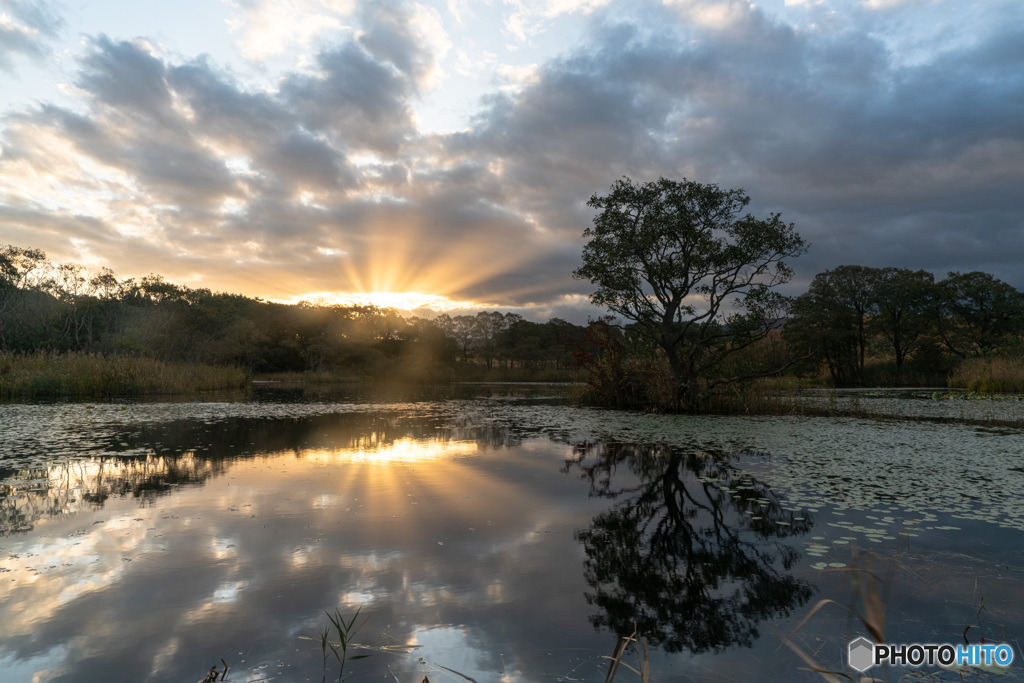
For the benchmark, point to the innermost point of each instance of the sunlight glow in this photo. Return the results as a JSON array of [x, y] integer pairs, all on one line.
[[405, 450], [403, 301]]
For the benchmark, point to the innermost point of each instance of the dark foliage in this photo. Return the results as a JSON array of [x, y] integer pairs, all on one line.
[[60, 308]]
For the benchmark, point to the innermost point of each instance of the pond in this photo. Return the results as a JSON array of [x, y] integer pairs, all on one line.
[[496, 533]]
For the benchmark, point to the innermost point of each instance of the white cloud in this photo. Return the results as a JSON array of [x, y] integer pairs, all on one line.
[[717, 16], [427, 26], [25, 30], [889, 4], [518, 77], [8, 24], [269, 28], [529, 17], [474, 62]]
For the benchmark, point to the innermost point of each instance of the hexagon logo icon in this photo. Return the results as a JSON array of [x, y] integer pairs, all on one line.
[[861, 654]]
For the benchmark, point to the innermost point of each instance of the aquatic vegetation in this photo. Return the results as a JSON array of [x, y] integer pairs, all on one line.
[[214, 675], [344, 630], [867, 604], [96, 493], [975, 396]]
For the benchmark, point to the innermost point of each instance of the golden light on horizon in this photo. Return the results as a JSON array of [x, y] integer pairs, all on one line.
[[398, 260], [403, 301]]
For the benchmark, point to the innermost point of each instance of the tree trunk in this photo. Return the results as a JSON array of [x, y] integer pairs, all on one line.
[[685, 392]]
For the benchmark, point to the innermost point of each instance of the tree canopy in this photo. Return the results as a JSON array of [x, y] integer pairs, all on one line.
[[898, 314], [696, 276]]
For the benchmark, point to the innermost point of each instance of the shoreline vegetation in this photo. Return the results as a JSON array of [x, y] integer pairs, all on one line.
[[74, 375], [70, 333], [71, 375]]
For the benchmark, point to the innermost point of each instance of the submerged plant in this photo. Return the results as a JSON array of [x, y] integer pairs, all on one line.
[[344, 630]]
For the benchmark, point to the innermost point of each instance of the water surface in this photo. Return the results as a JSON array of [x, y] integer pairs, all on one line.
[[504, 534]]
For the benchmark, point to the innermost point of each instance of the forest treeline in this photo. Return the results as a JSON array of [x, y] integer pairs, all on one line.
[[871, 326], [60, 308], [855, 326]]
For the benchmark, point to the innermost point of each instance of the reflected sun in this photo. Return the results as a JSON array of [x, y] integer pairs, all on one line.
[[405, 450]]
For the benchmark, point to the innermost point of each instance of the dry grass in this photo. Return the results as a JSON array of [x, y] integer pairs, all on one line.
[[621, 646], [870, 591], [998, 374], [80, 375], [766, 396]]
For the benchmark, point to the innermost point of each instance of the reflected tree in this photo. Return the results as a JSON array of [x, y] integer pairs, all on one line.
[[693, 552], [67, 487]]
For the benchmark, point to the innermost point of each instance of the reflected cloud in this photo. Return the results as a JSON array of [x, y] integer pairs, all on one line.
[[445, 528], [364, 511]]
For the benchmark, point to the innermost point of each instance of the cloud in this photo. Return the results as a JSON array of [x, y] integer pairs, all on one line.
[[26, 30], [323, 184], [362, 90], [528, 18], [269, 28], [828, 126], [322, 181]]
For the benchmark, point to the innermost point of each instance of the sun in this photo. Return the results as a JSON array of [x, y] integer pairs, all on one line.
[[402, 301]]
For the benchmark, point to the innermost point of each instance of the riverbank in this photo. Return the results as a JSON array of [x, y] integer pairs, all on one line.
[[43, 375]]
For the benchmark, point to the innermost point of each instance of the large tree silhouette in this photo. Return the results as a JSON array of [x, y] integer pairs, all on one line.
[[697, 278]]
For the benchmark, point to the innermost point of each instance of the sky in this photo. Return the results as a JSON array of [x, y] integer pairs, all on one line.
[[440, 154]]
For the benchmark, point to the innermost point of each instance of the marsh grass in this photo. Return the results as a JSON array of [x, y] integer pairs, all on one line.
[[80, 375], [643, 669], [871, 579], [869, 596], [308, 377], [997, 374], [422, 373], [214, 675], [767, 396]]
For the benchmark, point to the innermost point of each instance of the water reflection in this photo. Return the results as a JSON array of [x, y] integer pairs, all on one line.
[[68, 487], [213, 537], [188, 452], [693, 550], [442, 530]]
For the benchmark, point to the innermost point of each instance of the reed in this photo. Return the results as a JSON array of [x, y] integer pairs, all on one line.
[[45, 374], [994, 374], [643, 669], [344, 631], [867, 605]]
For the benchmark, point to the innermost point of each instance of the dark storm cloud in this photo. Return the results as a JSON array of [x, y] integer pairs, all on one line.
[[30, 27], [879, 159]]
